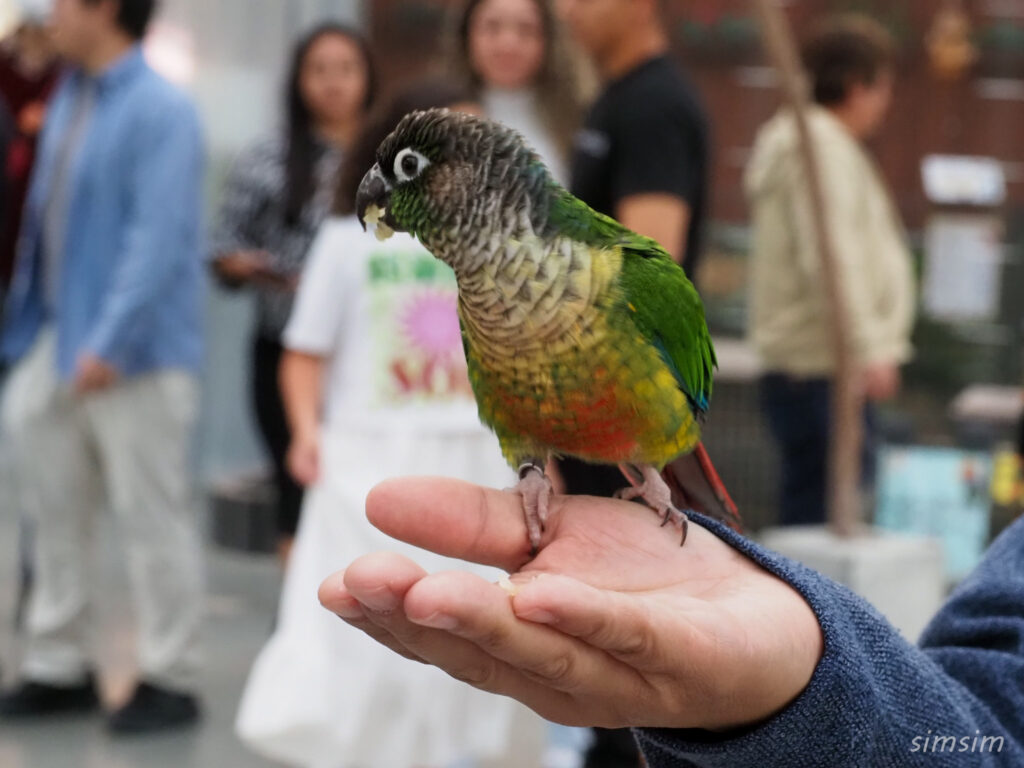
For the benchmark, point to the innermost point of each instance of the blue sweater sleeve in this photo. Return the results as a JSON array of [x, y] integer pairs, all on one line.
[[874, 699]]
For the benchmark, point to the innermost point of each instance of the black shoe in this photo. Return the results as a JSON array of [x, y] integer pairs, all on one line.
[[32, 699], [153, 709]]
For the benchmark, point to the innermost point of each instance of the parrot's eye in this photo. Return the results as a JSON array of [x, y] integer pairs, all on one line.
[[409, 164]]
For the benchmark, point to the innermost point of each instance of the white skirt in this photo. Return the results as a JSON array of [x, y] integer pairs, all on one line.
[[322, 694]]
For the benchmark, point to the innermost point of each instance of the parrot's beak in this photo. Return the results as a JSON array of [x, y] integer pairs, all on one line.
[[374, 190]]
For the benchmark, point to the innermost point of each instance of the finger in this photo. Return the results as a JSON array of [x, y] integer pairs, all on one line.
[[335, 597], [385, 638], [381, 582], [453, 518], [624, 625], [480, 612]]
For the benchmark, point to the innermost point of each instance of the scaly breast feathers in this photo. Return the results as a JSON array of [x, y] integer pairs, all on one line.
[[613, 400], [558, 364]]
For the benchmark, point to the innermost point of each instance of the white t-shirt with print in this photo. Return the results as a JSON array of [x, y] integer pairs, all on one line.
[[384, 314], [397, 402]]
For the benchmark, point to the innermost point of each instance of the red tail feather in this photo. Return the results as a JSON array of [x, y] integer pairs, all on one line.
[[696, 485]]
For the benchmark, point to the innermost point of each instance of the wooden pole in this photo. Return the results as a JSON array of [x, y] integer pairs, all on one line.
[[847, 436]]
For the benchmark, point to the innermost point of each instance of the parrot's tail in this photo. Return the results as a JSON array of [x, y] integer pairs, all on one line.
[[695, 485]]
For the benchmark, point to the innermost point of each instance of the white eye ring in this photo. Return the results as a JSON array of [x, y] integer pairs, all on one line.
[[409, 164]]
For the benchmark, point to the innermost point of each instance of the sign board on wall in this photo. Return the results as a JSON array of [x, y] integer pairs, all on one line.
[[963, 267]]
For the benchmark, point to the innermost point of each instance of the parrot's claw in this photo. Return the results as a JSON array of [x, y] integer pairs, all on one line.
[[535, 488], [657, 495], [679, 518]]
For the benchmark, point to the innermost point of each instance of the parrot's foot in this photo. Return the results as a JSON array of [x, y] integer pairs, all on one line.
[[657, 495], [535, 488]]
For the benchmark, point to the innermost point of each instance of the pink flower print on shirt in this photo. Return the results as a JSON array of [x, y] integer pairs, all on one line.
[[432, 363], [431, 324]]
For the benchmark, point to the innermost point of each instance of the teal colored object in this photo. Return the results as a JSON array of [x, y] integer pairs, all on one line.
[[941, 492]]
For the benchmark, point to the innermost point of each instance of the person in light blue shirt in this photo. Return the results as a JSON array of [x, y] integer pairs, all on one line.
[[103, 330], [126, 289]]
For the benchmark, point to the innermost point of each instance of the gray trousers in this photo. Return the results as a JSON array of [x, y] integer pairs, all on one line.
[[128, 448]]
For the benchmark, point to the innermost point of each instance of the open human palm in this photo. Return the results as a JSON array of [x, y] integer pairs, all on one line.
[[612, 624]]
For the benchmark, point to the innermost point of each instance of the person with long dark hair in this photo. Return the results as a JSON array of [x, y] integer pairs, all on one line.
[[519, 62], [278, 193]]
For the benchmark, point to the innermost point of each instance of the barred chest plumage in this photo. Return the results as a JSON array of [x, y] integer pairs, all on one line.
[[553, 356]]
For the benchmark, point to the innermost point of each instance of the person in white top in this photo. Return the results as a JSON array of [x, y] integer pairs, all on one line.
[[517, 58], [375, 385], [528, 74]]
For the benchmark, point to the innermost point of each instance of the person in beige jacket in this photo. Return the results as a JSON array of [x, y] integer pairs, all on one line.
[[849, 61]]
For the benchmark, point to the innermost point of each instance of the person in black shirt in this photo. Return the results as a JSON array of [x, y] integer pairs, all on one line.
[[642, 158]]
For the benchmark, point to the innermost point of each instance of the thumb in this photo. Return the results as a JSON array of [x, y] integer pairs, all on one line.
[[452, 518]]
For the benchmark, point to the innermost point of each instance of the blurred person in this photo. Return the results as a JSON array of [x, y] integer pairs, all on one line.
[[103, 326], [642, 158], [375, 383], [277, 195], [28, 74], [724, 654], [850, 63], [516, 57]]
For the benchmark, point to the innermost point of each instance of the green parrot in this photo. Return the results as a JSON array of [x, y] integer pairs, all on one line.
[[582, 338]]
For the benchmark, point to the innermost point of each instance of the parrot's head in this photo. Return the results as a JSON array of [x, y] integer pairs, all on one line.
[[461, 184]]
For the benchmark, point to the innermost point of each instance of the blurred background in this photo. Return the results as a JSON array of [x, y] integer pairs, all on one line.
[[958, 112], [942, 107], [959, 92]]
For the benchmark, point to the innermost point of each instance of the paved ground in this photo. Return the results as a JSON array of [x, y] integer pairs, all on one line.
[[242, 598], [241, 604]]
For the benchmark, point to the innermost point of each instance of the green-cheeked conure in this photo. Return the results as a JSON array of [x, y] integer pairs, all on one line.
[[582, 338]]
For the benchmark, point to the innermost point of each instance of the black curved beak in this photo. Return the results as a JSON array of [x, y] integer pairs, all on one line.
[[373, 190]]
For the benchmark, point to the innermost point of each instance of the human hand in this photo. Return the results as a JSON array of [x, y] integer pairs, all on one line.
[[31, 118], [612, 624], [93, 375], [242, 266], [881, 381], [303, 458]]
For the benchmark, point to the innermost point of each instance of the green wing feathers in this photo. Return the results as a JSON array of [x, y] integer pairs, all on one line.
[[667, 310], [663, 301], [571, 217]]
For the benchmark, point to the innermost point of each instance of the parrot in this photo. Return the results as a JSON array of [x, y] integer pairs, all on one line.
[[582, 338]]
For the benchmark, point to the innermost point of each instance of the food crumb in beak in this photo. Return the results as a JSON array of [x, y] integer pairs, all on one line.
[[374, 215]]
